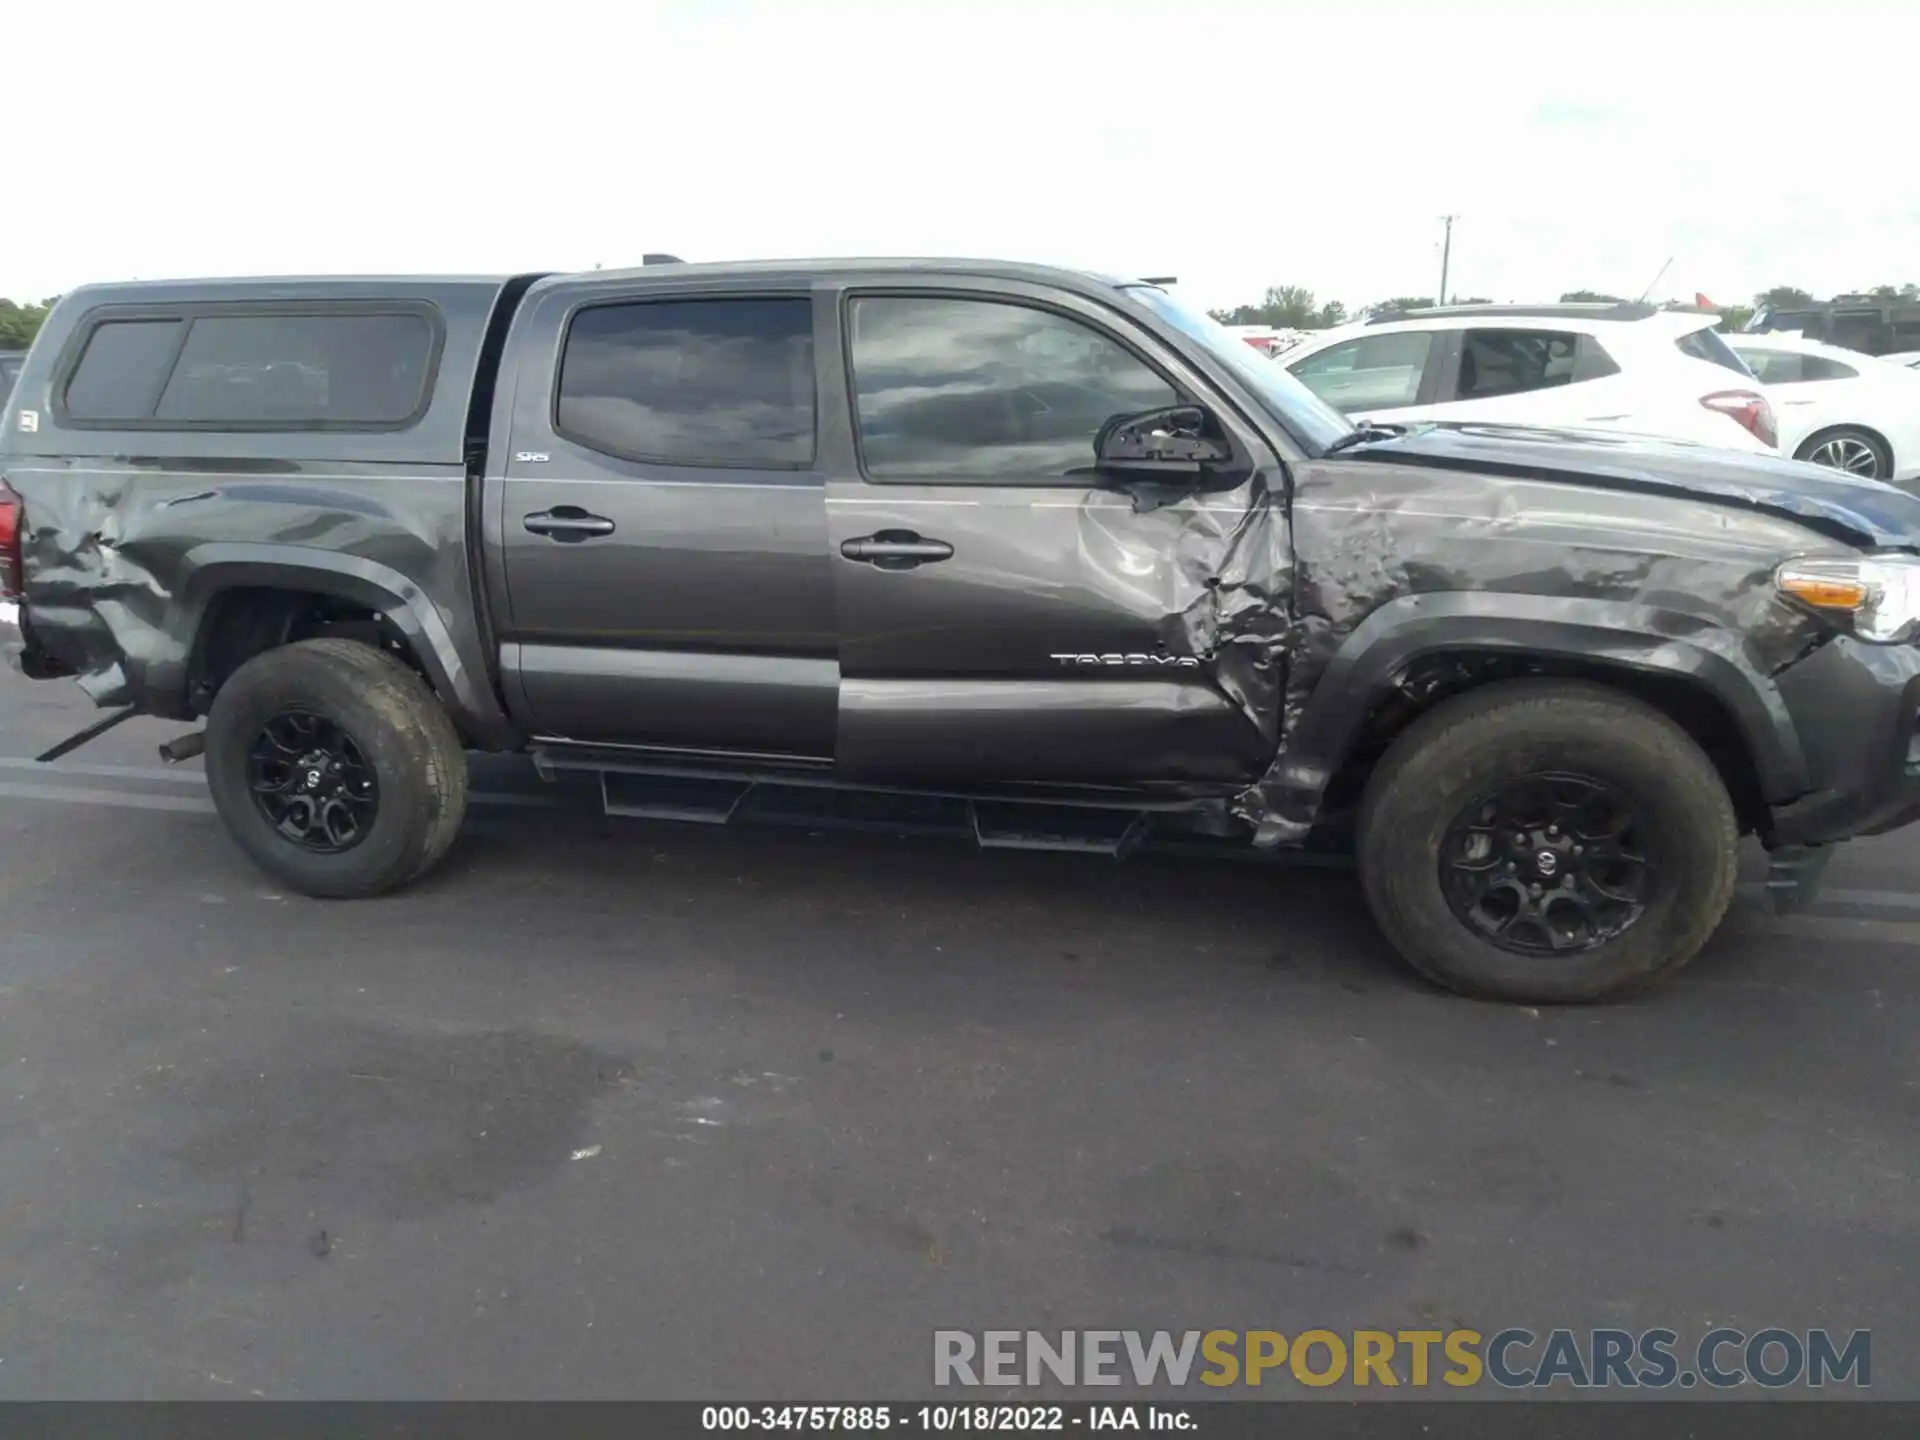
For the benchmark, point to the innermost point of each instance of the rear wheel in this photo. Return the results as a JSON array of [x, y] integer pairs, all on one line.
[[1857, 452], [335, 768], [1545, 842]]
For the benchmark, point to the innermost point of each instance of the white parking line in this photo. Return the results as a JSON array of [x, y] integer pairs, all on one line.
[[105, 772], [80, 795], [86, 795]]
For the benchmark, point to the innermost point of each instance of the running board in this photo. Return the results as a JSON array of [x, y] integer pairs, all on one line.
[[991, 824], [666, 797], [554, 758], [1012, 825]]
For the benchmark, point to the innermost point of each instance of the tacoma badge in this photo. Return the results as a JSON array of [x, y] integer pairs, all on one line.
[[1149, 661]]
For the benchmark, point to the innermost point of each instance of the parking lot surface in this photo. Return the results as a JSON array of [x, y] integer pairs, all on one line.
[[609, 1108]]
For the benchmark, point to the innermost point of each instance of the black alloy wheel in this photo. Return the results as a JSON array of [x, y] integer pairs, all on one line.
[[1547, 864], [312, 782]]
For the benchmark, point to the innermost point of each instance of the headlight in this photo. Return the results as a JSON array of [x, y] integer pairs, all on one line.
[[1876, 596]]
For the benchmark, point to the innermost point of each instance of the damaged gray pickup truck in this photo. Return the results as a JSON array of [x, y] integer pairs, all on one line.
[[1050, 549]]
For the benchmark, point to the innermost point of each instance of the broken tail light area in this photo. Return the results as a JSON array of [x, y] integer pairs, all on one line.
[[13, 523], [17, 648], [1750, 409]]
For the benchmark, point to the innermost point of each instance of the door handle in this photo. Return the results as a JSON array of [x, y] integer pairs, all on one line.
[[568, 524], [896, 550]]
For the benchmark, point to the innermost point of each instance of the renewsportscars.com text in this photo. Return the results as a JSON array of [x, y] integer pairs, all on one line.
[[1514, 1358]]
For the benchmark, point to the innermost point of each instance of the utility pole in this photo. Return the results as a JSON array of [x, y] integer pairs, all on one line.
[[1446, 254], [1656, 279]]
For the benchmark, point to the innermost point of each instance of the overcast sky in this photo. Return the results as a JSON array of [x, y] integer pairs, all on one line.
[[1236, 146]]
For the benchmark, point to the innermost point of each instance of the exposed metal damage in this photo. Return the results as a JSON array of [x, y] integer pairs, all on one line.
[[1440, 561]]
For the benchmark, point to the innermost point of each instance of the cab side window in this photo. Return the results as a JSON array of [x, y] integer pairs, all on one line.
[[1373, 372], [698, 382], [984, 391]]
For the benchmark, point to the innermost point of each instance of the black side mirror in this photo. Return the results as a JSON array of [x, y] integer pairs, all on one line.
[[1174, 444]]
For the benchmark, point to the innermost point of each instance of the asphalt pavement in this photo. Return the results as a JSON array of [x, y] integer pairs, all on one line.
[[609, 1108]]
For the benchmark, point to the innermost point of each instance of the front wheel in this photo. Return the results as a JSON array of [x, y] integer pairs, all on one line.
[[335, 768], [1547, 842]]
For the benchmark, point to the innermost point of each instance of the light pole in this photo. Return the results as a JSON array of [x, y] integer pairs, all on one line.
[[1446, 254]]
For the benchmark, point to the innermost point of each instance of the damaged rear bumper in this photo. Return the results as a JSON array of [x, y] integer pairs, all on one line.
[[18, 650]]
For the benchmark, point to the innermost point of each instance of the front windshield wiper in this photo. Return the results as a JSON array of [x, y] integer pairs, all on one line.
[[1367, 434]]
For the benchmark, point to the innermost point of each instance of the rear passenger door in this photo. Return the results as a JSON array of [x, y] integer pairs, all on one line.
[[1529, 377], [1388, 377], [661, 523]]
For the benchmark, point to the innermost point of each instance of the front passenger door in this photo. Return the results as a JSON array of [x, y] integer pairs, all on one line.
[[1006, 614]]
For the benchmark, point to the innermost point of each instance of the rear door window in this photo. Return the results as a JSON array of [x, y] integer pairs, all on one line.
[[1494, 363], [719, 382], [1372, 372]]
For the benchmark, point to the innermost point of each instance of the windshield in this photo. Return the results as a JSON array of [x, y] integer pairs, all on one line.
[[1306, 416]]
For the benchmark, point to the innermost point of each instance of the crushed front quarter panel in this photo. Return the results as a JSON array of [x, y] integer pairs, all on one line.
[[1370, 531]]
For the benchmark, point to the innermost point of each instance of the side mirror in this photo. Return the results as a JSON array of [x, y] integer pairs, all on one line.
[[1174, 444]]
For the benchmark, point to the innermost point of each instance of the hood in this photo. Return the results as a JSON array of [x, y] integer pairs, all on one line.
[[1860, 512]]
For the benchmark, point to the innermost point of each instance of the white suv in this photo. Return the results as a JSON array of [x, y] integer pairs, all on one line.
[[1628, 367]]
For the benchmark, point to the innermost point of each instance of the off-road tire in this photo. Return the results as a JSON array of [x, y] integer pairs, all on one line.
[[1465, 747], [404, 733]]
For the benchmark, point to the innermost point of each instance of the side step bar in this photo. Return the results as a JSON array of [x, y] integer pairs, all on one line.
[[991, 824], [776, 790], [780, 790]]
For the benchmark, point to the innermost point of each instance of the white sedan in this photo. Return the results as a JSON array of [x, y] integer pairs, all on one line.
[[1839, 408]]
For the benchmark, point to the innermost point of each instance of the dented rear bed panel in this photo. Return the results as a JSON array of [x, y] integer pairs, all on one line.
[[133, 528]]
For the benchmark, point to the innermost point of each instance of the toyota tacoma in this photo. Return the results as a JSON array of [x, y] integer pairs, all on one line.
[[1050, 549]]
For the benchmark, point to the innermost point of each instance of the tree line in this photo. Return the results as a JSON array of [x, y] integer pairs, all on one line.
[[20, 323], [1294, 307]]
